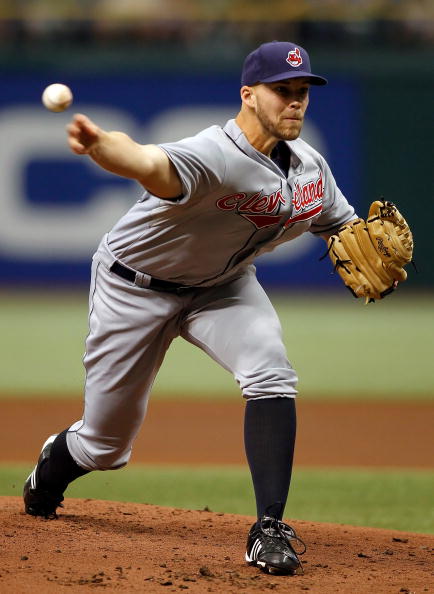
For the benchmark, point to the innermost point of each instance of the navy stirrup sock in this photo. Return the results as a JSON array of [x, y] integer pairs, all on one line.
[[60, 468], [269, 438]]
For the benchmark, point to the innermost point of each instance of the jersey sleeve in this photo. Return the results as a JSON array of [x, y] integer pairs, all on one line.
[[336, 209], [199, 162]]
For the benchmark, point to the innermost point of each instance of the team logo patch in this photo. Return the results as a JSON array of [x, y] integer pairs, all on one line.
[[294, 58], [260, 209]]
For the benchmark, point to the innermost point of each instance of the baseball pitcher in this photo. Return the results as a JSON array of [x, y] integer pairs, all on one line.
[[180, 262]]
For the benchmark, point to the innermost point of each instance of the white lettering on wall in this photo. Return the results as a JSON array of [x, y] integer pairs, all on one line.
[[46, 232]]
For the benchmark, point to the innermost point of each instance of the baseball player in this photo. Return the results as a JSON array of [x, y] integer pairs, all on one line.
[[180, 263]]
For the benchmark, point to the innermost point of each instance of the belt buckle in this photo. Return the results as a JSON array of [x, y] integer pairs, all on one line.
[[181, 288]]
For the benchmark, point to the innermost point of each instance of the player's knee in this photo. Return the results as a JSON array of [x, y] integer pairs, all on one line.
[[264, 369], [269, 381], [93, 454], [110, 461]]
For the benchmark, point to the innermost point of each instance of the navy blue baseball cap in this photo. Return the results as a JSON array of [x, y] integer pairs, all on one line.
[[278, 60]]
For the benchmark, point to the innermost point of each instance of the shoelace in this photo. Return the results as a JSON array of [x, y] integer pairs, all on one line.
[[282, 530]]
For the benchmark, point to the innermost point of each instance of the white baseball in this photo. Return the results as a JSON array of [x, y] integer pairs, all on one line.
[[57, 97]]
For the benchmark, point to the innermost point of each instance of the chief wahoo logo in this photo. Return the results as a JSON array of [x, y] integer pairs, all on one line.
[[294, 58]]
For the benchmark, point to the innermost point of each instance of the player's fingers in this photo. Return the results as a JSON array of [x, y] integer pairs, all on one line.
[[82, 134], [86, 124], [72, 129], [75, 140], [80, 118], [77, 147]]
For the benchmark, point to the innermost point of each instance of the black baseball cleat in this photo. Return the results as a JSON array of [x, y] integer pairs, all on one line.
[[269, 547], [37, 500]]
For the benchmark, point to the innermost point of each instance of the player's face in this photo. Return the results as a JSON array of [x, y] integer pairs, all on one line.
[[280, 107]]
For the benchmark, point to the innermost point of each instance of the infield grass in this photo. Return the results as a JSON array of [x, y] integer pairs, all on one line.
[[400, 500], [339, 347]]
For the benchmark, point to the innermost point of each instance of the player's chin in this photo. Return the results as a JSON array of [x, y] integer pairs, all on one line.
[[291, 131], [293, 135]]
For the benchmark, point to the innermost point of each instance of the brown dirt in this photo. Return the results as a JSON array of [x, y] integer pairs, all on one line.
[[100, 545], [143, 548], [386, 434]]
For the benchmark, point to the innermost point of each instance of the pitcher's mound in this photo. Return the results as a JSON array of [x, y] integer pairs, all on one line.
[[111, 546]]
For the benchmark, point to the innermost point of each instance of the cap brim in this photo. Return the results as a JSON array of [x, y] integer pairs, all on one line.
[[313, 78]]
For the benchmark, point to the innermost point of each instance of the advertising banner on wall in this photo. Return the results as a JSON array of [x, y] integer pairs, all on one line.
[[55, 206]]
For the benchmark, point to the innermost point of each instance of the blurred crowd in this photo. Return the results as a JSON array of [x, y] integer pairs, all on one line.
[[197, 22]]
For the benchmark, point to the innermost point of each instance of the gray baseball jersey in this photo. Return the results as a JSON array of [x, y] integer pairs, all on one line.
[[236, 204]]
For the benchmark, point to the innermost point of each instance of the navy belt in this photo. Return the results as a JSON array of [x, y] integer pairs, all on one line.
[[155, 284]]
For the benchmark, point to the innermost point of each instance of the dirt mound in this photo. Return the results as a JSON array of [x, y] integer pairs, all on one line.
[[144, 548]]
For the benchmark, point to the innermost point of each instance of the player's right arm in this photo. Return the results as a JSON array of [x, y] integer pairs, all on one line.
[[118, 153]]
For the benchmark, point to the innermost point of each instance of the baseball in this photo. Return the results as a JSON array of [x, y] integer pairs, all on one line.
[[57, 97]]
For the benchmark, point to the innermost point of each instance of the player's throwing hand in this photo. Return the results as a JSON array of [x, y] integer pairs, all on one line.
[[83, 134]]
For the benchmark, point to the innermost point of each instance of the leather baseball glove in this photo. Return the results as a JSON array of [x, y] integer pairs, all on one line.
[[370, 255]]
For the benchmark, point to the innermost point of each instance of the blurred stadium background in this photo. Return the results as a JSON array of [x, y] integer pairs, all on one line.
[[163, 69]]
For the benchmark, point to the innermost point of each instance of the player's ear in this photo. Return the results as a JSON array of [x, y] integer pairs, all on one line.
[[248, 96]]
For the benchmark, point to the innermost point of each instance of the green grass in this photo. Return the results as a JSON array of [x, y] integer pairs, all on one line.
[[400, 500], [339, 347]]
